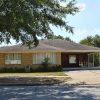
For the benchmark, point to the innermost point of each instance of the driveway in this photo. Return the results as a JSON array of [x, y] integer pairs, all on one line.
[[84, 77], [58, 92]]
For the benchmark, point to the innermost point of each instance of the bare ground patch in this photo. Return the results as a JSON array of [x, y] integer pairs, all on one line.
[[84, 77]]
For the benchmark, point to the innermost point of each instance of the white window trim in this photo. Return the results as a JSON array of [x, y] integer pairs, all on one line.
[[13, 58], [42, 56]]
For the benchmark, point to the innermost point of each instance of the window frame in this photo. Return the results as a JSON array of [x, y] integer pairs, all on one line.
[[72, 61], [13, 58], [51, 55]]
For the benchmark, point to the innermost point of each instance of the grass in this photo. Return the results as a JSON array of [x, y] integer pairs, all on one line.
[[34, 74]]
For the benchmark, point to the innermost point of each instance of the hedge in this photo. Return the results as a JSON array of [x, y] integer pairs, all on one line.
[[30, 69]]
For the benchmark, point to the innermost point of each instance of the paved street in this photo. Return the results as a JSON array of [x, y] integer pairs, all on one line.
[[61, 92]]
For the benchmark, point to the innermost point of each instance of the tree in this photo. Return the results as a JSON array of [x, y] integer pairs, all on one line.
[[58, 37], [68, 39], [96, 40], [87, 41], [25, 20], [91, 41], [52, 36]]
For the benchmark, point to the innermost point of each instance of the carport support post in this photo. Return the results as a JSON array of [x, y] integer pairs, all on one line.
[[88, 60], [99, 59], [93, 59]]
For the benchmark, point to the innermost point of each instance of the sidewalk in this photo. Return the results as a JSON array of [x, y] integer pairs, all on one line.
[[81, 68]]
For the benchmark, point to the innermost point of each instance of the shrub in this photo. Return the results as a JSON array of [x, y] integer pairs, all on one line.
[[45, 63], [54, 68], [45, 68], [37, 69], [12, 69]]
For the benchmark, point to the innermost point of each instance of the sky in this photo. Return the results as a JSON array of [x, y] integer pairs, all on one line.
[[85, 23]]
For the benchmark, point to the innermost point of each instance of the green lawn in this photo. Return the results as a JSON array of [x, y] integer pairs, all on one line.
[[34, 74]]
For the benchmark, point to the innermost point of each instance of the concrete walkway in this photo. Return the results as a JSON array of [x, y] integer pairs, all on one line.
[[81, 68], [84, 77]]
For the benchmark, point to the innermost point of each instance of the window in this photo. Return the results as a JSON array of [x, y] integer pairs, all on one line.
[[38, 58], [72, 59], [13, 58]]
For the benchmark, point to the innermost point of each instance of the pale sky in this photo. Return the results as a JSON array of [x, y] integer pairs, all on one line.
[[86, 22]]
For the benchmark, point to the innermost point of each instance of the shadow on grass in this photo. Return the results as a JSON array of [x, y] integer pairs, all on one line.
[[56, 92], [32, 80]]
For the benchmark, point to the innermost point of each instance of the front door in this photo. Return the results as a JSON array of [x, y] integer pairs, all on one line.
[[69, 60]]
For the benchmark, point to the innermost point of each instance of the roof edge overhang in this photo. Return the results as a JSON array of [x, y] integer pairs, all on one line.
[[66, 51], [37, 51], [83, 51]]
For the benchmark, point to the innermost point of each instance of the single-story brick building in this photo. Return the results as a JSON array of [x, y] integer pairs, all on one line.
[[60, 52]]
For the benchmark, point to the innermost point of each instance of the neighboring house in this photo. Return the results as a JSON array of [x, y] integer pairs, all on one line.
[[60, 52]]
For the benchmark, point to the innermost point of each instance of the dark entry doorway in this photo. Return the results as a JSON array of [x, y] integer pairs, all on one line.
[[74, 59]]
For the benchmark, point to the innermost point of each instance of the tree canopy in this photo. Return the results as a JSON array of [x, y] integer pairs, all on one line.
[[25, 20], [52, 36], [91, 41]]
